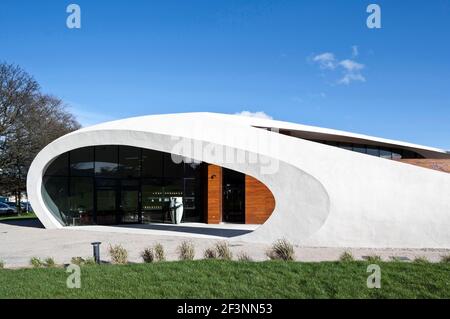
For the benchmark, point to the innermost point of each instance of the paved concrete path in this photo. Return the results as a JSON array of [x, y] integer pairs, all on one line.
[[22, 240]]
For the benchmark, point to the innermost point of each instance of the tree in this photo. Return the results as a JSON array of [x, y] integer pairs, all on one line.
[[29, 120]]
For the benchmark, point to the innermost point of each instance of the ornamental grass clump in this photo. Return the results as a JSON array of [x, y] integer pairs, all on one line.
[[281, 250], [223, 251], [148, 255], [49, 262], [36, 262], [210, 253], [186, 251], [346, 257], [119, 255], [373, 259], [160, 255], [80, 261]]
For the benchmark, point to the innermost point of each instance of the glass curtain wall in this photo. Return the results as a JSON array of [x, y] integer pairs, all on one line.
[[112, 184]]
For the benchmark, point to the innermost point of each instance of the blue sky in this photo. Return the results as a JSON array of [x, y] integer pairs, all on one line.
[[311, 62]]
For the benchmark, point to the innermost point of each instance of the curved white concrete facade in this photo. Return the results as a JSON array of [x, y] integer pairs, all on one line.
[[325, 196]]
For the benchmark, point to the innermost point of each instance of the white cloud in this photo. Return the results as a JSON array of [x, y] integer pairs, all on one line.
[[355, 51], [351, 66], [349, 77], [258, 114], [352, 70], [326, 60]]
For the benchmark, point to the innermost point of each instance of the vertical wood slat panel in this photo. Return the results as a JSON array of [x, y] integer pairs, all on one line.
[[214, 194], [259, 201]]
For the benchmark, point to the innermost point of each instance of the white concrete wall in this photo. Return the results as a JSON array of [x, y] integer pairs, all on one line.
[[325, 196]]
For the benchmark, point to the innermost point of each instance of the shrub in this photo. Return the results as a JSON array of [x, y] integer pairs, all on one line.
[[77, 261], [281, 250], [186, 251], [159, 252], [119, 255], [210, 253], [421, 260], [36, 262], [242, 256], [373, 259], [148, 255], [2, 264], [83, 262], [49, 262], [90, 261], [445, 259], [223, 251], [346, 257]]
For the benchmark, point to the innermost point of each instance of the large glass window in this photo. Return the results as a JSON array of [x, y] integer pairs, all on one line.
[[59, 166], [155, 207], [359, 149], [106, 161], [152, 163], [55, 192], [173, 165], [120, 184], [82, 162], [385, 153], [129, 161], [81, 200], [374, 151]]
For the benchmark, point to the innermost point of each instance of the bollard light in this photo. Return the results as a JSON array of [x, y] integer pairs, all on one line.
[[96, 248]]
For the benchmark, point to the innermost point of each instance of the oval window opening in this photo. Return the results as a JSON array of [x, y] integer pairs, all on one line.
[[117, 185]]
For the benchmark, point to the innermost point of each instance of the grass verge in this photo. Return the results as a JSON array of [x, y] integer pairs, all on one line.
[[230, 279], [18, 217]]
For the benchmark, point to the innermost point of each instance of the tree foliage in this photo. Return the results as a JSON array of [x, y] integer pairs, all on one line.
[[29, 120]]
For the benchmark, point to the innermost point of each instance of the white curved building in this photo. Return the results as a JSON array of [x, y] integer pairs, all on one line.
[[312, 186]]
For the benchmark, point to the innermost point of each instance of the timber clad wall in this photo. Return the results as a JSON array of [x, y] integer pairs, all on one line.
[[259, 201], [214, 195], [442, 165]]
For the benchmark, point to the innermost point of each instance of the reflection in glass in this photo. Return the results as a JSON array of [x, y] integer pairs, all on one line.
[[152, 163], [384, 153], [120, 184], [82, 162], [59, 167], [55, 194], [359, 149], [106, 158], [374, 151], [129, 161], [81, 200], [154, 206], [106, 207], [173, 166]]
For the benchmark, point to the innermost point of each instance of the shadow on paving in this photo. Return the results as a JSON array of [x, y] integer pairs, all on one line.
[[31, 223], [219, 232]]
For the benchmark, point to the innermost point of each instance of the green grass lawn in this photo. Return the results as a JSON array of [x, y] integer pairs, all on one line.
[[222, 279], [16, 217]]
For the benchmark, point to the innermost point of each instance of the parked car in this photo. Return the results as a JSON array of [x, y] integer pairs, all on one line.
[[5, 209], [12, 204], [26, 207]]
